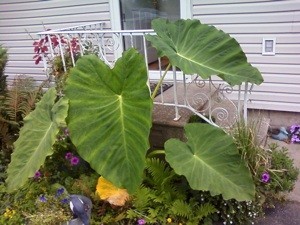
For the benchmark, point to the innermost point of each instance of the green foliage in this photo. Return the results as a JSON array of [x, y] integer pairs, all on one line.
[[28, 156], [198, 119], [283, 174], [274, 161], [58, 72], [19, 100], [245, 136], [117, 102], [3, 61], [232, 211], [36, 201], [55, 174], [165, 195], [58, 167], [210, 161], [202, 49], [50, 210], [110, 123]]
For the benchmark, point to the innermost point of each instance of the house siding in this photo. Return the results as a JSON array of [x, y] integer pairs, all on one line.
[[20, 20], [249, 21]]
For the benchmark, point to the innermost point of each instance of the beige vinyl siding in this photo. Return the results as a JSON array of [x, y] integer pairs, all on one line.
[[249, 21], [17, 17]]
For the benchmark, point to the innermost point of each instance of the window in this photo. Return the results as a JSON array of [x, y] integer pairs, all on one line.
[[268, 46]]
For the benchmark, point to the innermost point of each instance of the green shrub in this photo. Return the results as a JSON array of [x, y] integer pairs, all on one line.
[[283, 174], [19, 100], [273, 172], [3, 61]]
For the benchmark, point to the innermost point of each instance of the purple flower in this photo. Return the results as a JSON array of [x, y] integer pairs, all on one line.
[[141, 221], [43, 198], [74, 160], [265, 177], [59, 192], [69, 155], [295, 131], [294, 128], [64, 201], [295, 139], [37, 174]]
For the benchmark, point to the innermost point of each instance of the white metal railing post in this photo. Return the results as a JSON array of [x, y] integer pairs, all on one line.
[[62, 53], [50, 45], [246, 103], [239, 102], [177, 116], [71, 50], [184, 90], [160, 77], [145, 53]]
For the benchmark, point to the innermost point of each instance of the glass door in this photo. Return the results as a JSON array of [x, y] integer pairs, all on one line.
[[138, 14]]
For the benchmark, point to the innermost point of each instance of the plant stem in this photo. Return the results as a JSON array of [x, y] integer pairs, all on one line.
[[160, 82], [156, 152]]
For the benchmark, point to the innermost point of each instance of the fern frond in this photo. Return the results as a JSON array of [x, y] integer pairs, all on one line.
[[12, 102], [6, 137], [153, 212], [131, 214], [20, 99], [28, 104], [160, 172], [205, 210], [142, 198], [182, 209]]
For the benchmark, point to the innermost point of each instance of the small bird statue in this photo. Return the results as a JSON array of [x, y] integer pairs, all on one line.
[[81, 207], [281, 134]]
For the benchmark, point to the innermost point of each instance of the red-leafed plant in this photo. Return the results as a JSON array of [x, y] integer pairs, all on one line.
[[61, 49], [41, 46]]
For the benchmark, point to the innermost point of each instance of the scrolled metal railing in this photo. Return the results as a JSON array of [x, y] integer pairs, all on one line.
[[209, 99]]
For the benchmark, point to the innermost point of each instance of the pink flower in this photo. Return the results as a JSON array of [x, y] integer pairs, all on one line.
[[37, 174], [141, 221], [69, 155], [74, 160]]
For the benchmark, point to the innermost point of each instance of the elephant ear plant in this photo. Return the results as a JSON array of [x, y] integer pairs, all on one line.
[[109, 115]]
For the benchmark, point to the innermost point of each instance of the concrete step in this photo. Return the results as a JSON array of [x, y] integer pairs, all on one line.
[[197, 98]]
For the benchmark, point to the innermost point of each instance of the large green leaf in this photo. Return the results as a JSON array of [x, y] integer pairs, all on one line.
[[210, 161], [36, 139], [204, 50], [110, 116]]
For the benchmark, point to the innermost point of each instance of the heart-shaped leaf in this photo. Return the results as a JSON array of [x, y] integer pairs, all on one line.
[[210, 161], [110, 116], [36, 139], [202, 49]]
